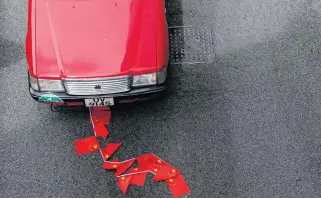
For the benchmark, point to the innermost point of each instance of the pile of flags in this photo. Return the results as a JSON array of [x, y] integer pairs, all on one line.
[[148, 163]]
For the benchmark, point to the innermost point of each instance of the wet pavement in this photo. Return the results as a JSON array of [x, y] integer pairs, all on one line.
[[246, 125]]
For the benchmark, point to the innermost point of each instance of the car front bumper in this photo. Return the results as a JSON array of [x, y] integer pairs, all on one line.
[[134, 95]]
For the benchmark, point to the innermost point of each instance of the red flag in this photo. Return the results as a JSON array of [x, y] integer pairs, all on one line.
[[157, 165], [147, 161], [87, 145], [100, 116], [111, 165], [138, 177], [178, 186], [123, 166], [166, 172], [100, 108], [109, 150], [123, 183], [101, 130], [150, 162]]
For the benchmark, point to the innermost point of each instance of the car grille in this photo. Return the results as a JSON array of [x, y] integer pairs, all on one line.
[[98, 86]]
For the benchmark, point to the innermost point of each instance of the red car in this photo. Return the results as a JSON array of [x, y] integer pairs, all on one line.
[[97, 52]]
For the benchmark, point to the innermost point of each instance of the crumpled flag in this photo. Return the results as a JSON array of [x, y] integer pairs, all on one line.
[[101, 131], [178, 186], [123, 166], [100, 116], [123, 183], [166, 172], [150, 162], [110, 150], [110, 165], [138, 177], [87, 145]]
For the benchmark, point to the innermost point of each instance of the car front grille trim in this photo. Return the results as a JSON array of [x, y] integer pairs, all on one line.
[[102, 86]]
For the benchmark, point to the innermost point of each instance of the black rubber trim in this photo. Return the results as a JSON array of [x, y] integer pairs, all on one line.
[[137, 94]]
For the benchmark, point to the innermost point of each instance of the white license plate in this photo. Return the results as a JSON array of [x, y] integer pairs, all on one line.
[[99, 101]]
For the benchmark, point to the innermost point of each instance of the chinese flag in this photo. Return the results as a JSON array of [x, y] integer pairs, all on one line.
[[123, 166], [178, 186], [101, 130], [123, 183], [111, 165], [166, 172], [100, 108], [87, 145], [150, 162], [101, 115], [138, 177], [109, 150]]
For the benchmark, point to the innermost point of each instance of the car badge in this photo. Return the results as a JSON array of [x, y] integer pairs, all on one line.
[[97, 87]]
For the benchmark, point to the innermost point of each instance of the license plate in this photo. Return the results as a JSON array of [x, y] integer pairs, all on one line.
[[99, 101]]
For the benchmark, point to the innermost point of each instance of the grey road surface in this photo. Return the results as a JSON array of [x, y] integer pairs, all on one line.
[[247, 125]]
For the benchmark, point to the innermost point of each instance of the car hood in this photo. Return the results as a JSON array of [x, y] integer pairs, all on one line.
[[95, 38]]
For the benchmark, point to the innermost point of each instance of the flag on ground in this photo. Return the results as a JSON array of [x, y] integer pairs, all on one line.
[[87, 145]]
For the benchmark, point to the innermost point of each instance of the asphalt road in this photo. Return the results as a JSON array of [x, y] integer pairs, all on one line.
[[247, 125]]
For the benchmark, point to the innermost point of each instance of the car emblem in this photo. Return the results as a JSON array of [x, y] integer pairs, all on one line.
[[97, 87]]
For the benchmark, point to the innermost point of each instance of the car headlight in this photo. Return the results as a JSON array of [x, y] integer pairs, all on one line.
[[150, 79], [144, 80], [46, 85], [50, 85]]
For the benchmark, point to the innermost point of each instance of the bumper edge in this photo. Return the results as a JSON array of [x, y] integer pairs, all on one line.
[[137, 94]]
